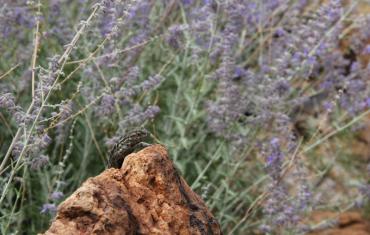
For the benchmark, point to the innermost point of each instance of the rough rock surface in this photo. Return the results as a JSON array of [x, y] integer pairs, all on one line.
[[145, 196]]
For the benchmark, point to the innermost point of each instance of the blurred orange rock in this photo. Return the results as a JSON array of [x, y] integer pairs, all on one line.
[[349, 223], [145, 196], [361, 143]]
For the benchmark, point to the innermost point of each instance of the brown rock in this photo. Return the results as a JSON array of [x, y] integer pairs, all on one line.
[[145, 196], [360, 145], [349, 223]]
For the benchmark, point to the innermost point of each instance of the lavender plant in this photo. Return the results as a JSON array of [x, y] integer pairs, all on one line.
[[223, 84]]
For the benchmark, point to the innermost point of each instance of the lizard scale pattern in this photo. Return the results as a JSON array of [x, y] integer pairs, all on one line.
[[125, 146]]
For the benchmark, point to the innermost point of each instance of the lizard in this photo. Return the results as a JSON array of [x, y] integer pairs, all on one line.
[[126, 145]]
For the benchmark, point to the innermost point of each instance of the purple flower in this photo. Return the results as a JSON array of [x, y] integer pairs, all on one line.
[[365, 190], [280, 32], [107, 106], [56, 195], [65, 109], [18, 115], [49, 208], [129, 79], [152, 82], [175, 36], [274, 159], [265, 228], [38, 162], [275, 143], [109, 142], [137, 116], [282, 87], [311, 60], [368, 102], [187, 2], [152, 111], [17, 149], [355, 67], [15, 18], [45, 141], [367, 50], [129, 92], [239, 72], [304, 196], [201, 21], [328, 106], [7, 101]]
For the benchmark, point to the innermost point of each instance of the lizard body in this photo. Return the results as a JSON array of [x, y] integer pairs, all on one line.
[[126, 145]]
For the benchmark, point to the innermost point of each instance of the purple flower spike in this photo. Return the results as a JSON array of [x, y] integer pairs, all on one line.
[[56, 195], [48, 208], [367, 50]]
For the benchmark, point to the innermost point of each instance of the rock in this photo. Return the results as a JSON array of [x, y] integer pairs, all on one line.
[[360, 145], [145, 196], [348, 223]]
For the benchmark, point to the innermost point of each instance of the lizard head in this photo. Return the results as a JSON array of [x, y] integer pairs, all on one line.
[[128, 140]]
